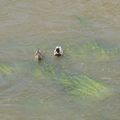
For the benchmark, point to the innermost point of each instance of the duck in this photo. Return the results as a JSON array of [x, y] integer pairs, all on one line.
[[38, 55], [58, 51]]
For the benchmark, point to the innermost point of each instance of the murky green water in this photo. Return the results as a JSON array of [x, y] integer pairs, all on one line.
[[84, 84]]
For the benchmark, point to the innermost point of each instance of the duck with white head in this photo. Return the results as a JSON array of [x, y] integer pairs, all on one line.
[[58, 51]]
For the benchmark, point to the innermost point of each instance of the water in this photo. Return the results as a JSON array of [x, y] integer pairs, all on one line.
[[84, 84]]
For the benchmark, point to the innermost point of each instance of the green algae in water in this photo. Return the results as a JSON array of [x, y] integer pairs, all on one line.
[[77, 85], [93, 52], [47, 69], [74, 84], [6, 69], [81, 85], [38, 74]]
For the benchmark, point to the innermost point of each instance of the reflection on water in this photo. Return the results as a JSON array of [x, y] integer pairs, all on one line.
[[83, 84]]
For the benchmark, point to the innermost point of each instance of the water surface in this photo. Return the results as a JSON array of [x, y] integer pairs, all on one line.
[[84, 84]]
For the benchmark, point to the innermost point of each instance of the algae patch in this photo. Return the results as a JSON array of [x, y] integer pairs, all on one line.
[[38, 74], [93, 52], [81, 85], [6, 69], [73, 84]]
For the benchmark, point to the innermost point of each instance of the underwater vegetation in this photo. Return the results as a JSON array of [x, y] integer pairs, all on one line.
[[81, 85], [6, 69], [44, 69], [93, 52], [78, 85], [74, 84]]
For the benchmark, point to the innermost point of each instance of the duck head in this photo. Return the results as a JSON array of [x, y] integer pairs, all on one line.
[[58, 51]]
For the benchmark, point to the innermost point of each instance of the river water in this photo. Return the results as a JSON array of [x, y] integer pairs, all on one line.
[[84, 84]]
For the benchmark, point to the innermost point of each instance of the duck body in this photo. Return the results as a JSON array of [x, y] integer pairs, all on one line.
[[38, 55], [58, 51]]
